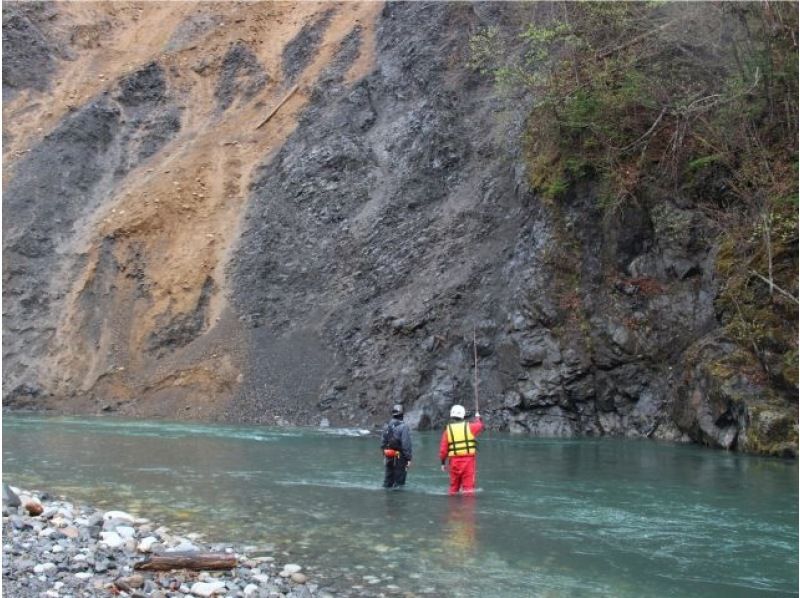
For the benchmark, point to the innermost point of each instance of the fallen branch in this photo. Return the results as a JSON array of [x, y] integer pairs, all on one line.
[[635, 40], [643, 137], [187, 560], [774, 286], [276, 108]]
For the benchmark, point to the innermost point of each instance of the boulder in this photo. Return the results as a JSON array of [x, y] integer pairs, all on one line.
[[10, 498], [722, 401]]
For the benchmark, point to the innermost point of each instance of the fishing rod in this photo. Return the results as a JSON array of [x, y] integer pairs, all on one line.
[[475, 353]]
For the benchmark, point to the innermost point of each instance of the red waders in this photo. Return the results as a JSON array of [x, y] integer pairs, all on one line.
[[459, 446], [462, 475]]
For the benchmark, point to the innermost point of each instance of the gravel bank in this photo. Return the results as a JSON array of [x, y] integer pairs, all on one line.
[[53, 548]]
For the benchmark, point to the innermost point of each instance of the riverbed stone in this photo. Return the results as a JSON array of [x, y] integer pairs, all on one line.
[[34, 507], [206, 589], [126, 532], [135, 581], [45, 568], [111, 539], [10, 498], [290, 568], [299, 577], [69, 532], [147, 544], [118, 515]]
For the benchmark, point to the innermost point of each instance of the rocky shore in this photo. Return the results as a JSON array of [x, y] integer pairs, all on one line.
[[53, 548]]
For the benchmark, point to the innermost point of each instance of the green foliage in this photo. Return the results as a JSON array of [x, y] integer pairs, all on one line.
[[636, 91], [702, 162], [697, 98]]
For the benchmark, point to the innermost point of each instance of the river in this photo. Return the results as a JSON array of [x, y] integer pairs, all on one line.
[[552, 517]]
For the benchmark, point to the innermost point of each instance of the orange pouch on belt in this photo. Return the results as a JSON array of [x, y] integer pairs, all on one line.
[[391, 453]]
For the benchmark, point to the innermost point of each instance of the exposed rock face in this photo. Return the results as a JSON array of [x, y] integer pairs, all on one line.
[[52, 190], [29, 56], [336, 260]]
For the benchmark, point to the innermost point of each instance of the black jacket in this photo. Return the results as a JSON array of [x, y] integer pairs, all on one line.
[[396, 435]]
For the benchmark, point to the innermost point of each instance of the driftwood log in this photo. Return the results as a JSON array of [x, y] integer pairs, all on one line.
[[187, 560]]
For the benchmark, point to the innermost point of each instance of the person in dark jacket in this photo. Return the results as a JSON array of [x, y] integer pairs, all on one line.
[[396, 447]]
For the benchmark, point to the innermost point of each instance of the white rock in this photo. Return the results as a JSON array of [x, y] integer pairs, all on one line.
[[250, 589], [121, 515], [58, 585], [146, 545], [289, 569], [126, 531], [261, 578], [84, 575], [184, 546], [57, 548], [208, 589], [79, 558], [47, 532], [44, 568], [51, 593], [111, 539]]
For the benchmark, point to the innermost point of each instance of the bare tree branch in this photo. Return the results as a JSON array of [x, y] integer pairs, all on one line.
[[777, 288]]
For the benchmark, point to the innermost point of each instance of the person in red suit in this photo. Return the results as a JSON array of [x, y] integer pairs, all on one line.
[[460, 446]]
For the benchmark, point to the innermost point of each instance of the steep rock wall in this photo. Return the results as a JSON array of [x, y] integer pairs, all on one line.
[[321, 266]]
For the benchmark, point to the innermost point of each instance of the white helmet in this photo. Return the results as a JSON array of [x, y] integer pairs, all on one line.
[[457, 411]]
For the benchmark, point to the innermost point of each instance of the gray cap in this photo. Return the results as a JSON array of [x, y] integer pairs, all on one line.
[[397, 410]]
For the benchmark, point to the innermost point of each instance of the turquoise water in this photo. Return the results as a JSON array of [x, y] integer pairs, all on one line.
[[552, 517]]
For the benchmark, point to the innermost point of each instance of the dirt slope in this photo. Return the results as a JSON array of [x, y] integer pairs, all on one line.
[[145, 265]]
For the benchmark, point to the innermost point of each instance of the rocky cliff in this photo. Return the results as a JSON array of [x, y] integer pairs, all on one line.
[[299, 212]]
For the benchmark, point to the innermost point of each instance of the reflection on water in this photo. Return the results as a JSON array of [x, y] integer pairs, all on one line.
[[551, 518], [459, 537]]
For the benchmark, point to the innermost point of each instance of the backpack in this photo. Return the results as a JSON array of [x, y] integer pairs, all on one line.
[[391, 438]]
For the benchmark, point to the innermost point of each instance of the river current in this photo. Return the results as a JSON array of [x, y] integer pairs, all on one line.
[[552, 517]]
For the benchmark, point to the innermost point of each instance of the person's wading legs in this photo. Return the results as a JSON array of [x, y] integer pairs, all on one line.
[[462, 475], [395, 474]]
